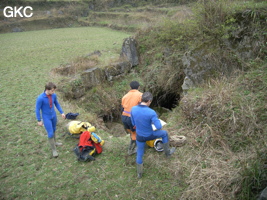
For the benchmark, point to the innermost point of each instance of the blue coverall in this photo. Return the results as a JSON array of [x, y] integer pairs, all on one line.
[[49, 115], [143, 117]]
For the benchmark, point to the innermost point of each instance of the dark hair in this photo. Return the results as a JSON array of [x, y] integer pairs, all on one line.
[[147, 96], [134, 85], [50, 86]]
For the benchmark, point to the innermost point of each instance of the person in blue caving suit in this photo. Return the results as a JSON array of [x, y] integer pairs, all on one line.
[[142, 118], [46, 103]]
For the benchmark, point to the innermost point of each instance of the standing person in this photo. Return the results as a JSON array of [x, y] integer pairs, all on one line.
[[132, 98], [143, 117], [45, 102]]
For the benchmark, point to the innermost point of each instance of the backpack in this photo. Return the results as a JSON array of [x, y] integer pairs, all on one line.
[[89, 145]]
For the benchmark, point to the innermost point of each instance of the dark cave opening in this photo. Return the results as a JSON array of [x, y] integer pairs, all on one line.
[[166, 100], [161, 100]]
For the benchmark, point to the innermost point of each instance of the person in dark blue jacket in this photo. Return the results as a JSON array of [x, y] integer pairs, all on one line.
[[46, 103], [142, 118]]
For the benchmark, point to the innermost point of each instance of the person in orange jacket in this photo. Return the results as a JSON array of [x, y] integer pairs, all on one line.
[[132, 98]]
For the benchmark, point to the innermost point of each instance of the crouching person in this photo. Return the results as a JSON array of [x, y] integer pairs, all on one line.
[[142, 118]]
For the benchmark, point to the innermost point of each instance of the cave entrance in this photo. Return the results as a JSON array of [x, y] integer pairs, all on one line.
[[166, 100], [162, 102]]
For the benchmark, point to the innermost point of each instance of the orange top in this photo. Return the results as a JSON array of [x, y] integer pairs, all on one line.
[[132, 98]]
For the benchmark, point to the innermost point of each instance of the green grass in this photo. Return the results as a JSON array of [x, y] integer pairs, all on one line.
[[27, 58], [223, 159], [27, 170]]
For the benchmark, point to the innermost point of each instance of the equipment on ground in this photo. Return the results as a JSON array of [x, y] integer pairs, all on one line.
[[157, 144], [71, 115], [90, 144], [75, 128]]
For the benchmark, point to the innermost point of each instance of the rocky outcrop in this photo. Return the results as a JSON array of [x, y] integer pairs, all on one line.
[[117, 69], [208, 61], [92, 77], [17, 29], [74, 89], [223, 56], [129, 51]]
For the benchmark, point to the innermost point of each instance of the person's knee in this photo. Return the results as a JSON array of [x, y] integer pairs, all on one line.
[[139, 162], [50, 134], [165, 138], [162, 134]]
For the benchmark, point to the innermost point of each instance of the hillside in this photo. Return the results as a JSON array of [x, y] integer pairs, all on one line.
[[219, 45], [60, 14]]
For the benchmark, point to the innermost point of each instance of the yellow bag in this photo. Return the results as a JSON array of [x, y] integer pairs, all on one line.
[[150, 143], [78, 127]]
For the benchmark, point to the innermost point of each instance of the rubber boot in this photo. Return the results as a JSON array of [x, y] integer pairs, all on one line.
[[167, 150], [57, 143], [132, 147], [53, 147], [139, 170]]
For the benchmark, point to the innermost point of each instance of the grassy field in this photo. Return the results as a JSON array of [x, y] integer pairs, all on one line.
[[28, 171], [224, 122]]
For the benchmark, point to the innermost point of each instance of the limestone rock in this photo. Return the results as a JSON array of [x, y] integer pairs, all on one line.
[[117, 69], [263, 195], [129, 51], [93, 77]]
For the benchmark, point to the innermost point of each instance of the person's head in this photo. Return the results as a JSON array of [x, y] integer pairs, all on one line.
[[146, 97], [50, 88], [134, 85]]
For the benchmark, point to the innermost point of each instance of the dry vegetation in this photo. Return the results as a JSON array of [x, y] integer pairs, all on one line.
[[77, 66], [225, 157]]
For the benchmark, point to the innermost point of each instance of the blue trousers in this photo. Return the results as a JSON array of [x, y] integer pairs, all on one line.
[[50, 123], [141, 143]]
